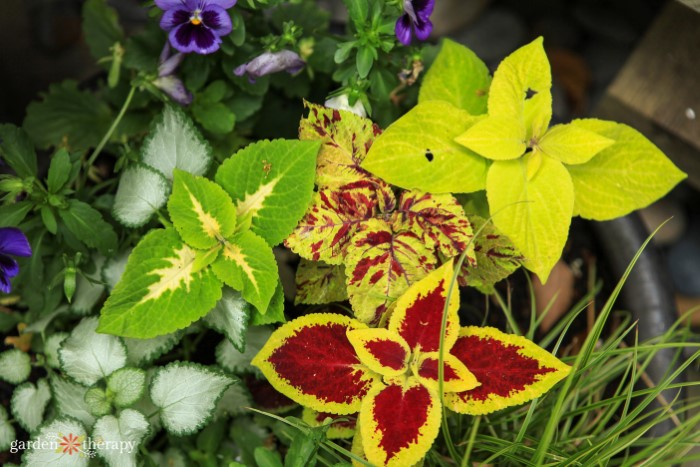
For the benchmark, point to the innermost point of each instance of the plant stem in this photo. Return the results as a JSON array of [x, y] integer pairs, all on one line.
[[115, 123], [470, 444]]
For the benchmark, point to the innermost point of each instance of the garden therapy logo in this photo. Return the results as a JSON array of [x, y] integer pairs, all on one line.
[[73, 445], [391, 375]]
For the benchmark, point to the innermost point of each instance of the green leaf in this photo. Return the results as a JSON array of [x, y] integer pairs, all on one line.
[[159, 293], [572, 144], [87, 224], [126, 385], [521, 89], [233, 402], [216, 118], [141, 352], [175, 143], [7, 431], [264, 457], [51, 453], [29, 402], [230, 317], [237, 362], [88, 292], [358, 11], [186, 394], [17, 150], [459, 77], [49, 219], [51, 346], [12, 214], [97, 401], [201, 211], [87, 356], [15, 366], [364, 60], [59, 171], [127, 432], [274, 313], [68, 117], [142, 191], [497, 138], [629, 175], [248, 265], [302, 451], [101, 27], [422, 144], [535, 214], [271, 182], [320, 283], [70, 399]]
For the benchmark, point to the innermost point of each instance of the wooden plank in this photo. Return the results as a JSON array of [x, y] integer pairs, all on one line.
[[694, 4]]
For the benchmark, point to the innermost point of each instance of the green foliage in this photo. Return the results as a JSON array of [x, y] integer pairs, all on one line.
[[101, 27]]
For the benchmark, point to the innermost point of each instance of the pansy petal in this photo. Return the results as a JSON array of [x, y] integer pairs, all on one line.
[[216, 18], [456, 376], [311, 361], [14, 242], [403, 29], [5, 286], [423, 8], [511, 369], [169, 4], [399, 423], [225, 4], [422, 28], [418, 314], [206, 40], [9, 266], [175, 88], [173, 18], [381, 350]]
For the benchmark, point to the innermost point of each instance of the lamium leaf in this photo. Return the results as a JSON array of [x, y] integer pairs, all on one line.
[[457, 76], [238, 361], [88, 225], [7, 431], [498, 138], [271, 183], [29, 402], [320, 283], [126, 386], [114, 267], [186, 394], [496, 258], [159, 292], [330, 223], [399, 423], [175, 143], [120, 437], [70, 399], [381, 350], [311, 361], [59, 443], [201, 211], [381, 264], [572, 143], [441, 221], [51, 346], [140, 352], [629, 175], [88, 289], [535, 214], [342, 427], [230, 316], [521, 89], [97, 401], [247, 264], [15, 366], [87, 356], [422, 144], [234, 401], [142, 191], [511, 370]]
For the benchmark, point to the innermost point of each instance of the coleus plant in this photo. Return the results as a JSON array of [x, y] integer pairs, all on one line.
[[470, 133], [392, 376]]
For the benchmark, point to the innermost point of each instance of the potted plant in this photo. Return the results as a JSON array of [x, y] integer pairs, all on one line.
[[147, 322]]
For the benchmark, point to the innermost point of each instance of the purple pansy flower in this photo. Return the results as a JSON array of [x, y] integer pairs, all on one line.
[[415, 20], [196, 25], [271, 62], [12, 243], [167, 81]]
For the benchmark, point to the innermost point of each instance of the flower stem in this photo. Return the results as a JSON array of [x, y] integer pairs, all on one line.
[[115, 123]]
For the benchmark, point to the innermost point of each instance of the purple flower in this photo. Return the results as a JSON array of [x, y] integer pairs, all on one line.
[[12, 243], [415, 20], [196, 25], [167, 81], [271, 62]]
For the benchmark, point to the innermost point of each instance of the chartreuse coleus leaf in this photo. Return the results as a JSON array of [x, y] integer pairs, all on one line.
[[511, 370], [160, 291], [29, 402], [59, 443], [15, 366], [186, 394], [7, 431], [120, 437], [271, 183], [628, 175], [230, 316], [422, 144], [457, 76], [275, 311], [342, 427], [319, 283]]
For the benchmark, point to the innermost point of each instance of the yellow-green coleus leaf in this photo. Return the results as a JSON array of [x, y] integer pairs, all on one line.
[[201, 211], [159, 292], [571, 143], [625, 176], [534, 213], [495, 137]]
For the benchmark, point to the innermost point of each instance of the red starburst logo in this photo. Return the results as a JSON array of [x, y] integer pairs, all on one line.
[[70, 444]]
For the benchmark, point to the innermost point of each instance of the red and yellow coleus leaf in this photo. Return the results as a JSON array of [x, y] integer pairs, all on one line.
[[511, 370], [381, 265], [399, 423], [311, 361], [456, 376], [381, 350], [319, 283], [342, 427]]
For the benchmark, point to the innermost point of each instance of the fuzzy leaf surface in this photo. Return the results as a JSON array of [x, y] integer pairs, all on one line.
[[70, 399], [15, 366], [29, 402], [127, 385], [142, 191], [126, 431]]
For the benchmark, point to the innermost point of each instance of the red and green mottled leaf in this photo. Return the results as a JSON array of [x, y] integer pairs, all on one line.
[[381, 265], [496, 258], [511, 369], [399, 423], [344, 427], [381, 350], [311, 361], [456, 376], [440, 219], [331, 221], [319, 283], [418, 314]]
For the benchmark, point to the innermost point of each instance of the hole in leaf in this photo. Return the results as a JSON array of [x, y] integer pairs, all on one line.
[[429, 155], [530, 93]]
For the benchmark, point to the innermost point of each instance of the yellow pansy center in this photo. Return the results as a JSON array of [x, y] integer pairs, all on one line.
[[196, 19]]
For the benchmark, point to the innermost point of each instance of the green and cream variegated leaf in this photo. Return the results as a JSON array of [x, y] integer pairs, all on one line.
[[7, 431], [51, 346], [88, 290], [175, 143], [126, 386], [230, 317], [234, 361], [234, 401], [320, 283], [87, 356], [186, 395], [70, 399], [140, 352], [97, 401], [114, 267], [15, 366], [52, 453], [120, 437], [271, 183], [29, 402], [201, 211], [160, 292], [142, 191]]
